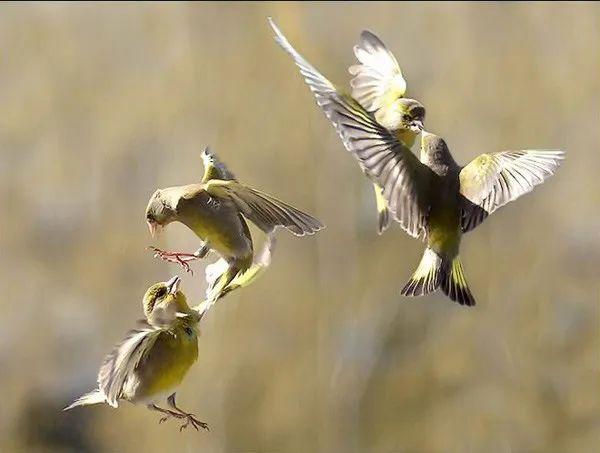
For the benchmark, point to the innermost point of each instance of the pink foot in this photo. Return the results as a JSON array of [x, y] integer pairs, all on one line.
[[176, 257]]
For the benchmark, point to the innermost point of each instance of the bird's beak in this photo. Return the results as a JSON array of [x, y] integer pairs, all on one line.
[[154, 228], [416, 126], [173, 284]]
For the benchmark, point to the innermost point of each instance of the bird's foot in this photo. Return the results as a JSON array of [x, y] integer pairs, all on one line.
[[169, 414], [183, 259], [190, 419]]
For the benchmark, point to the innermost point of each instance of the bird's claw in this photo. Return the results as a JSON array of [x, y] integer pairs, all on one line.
[[190, 419], [181, 259]]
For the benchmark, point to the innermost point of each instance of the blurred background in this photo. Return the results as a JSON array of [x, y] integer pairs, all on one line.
[[100, 104]]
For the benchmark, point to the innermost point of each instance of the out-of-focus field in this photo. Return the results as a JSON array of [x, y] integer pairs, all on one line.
[[102, 103]]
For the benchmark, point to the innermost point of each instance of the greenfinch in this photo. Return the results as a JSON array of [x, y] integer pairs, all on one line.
[[378, 89], [216, 210], [148, 366], [431, 197]]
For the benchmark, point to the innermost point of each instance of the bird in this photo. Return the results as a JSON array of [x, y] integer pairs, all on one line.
[[148, 366], [216, 210], [431, 197], [378, 89]]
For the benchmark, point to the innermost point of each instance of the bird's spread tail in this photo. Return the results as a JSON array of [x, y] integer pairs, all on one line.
[[94, 397], [433, 273], [428, 276], [455, 285]]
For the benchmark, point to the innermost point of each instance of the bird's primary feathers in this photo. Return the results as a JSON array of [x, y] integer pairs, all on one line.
[[210, 207], [431, 197], [491, 180], [378, 80], [151, 361], [378, 89], [148, 365], [216, 210]]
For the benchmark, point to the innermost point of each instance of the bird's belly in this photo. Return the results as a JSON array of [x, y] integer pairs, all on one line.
[[224, 233], [443, 234], [162, 371]]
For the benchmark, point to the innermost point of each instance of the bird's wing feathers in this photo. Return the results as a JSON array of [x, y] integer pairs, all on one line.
[[492, 180], [264, 210], [378, 78], [390, 164], [214, 168], [123, 360], [319, 85], [383, 158]]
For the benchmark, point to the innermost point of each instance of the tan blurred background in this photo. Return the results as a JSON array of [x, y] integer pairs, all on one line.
[[102, 103]]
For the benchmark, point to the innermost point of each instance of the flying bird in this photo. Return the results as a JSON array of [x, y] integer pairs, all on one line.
[[148, 366], [216, 210], [431, 197], [378, 89]]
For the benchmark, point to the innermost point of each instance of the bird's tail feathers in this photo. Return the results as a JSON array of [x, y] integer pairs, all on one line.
[[428, 276], [455, 285], [213, 271], [93, 397]]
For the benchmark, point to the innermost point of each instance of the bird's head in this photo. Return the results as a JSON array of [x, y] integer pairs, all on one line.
[[164, 303], [433, 145], [412, 115], [159, 212]]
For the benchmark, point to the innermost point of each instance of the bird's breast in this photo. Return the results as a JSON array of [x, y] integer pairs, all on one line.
[[219, 224], [164, 366], [443, 223]]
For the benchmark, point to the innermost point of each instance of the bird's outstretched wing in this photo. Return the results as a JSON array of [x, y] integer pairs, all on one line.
[[214, 168], [491, 180], [386, 161], [377, 79], [123, 360], [264, 210]]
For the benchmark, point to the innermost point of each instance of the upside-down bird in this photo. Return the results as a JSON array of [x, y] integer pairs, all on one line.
[[216, 210]]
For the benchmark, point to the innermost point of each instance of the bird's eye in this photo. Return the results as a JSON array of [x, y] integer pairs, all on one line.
[[161, 292], [188, 331]]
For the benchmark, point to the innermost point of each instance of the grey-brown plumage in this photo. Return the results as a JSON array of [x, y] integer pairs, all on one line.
[[378, 90], [216, 211], [432, 197]]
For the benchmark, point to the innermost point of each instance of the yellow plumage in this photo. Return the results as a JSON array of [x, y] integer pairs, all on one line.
[[150, 363]]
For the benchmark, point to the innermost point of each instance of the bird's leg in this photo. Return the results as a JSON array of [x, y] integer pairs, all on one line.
[[189, 418], [202, 251], [168, 413], [181, 258]]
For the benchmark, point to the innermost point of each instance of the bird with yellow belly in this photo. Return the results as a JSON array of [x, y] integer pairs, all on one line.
[[432, 196], [148, 366]]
